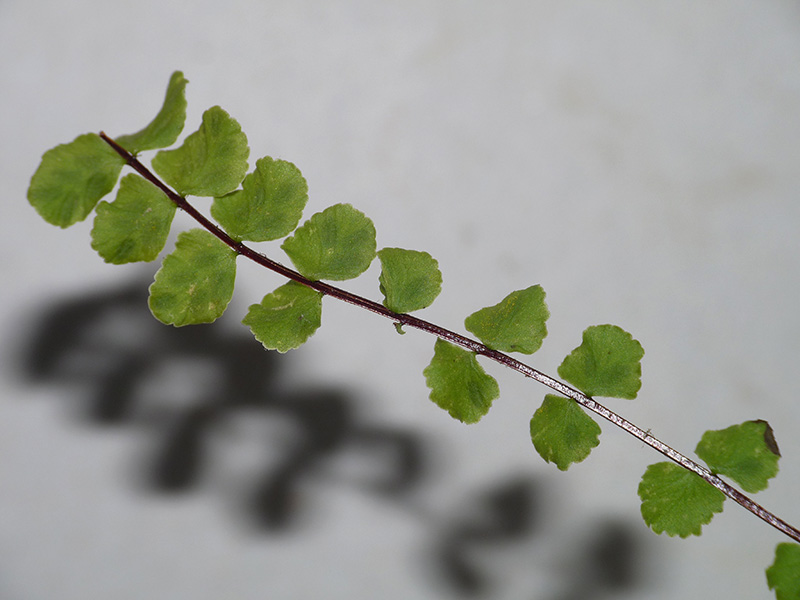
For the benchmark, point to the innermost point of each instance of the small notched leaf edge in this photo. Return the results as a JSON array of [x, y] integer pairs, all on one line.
[[676, 501], [562, 433], [285, 318], [515, 324], [72, 178], [459, 384], [336, 244], [211, 162], [269, 204], [167, 125], [195, 282], [747, 453], [607, 363], [410, 280], [135, 226]]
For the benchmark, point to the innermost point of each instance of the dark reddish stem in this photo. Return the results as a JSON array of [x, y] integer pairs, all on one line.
[[460, 340]]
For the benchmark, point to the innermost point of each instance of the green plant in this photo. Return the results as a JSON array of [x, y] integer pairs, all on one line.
[[196, 281]]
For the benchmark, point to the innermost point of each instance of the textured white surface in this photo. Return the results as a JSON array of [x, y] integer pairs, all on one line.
[[638, 160]]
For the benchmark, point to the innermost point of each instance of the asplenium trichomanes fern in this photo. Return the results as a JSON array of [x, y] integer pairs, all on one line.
[[196, 280]]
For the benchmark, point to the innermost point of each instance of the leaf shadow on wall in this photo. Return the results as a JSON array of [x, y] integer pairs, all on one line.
[[196, 390], [491, 535], [186, 384]]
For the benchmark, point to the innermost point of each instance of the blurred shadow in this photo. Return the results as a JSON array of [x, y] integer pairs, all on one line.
[[479, 553], [194, 388], [607, 564], [184, 382], [501, 515]]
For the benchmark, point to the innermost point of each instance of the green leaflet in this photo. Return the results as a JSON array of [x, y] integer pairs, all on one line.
[[746, 453], [135, 226], [677, 501], [164, 130], [195, 281], [337, 243], [562, 432], [783, 575], [211, 162], [515, 324], [286, 318], [410, 280], [72, 178], [268, 206], [607, 363], [459, 384]]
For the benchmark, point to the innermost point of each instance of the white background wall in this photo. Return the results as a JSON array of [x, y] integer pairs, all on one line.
[[639, 160]]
